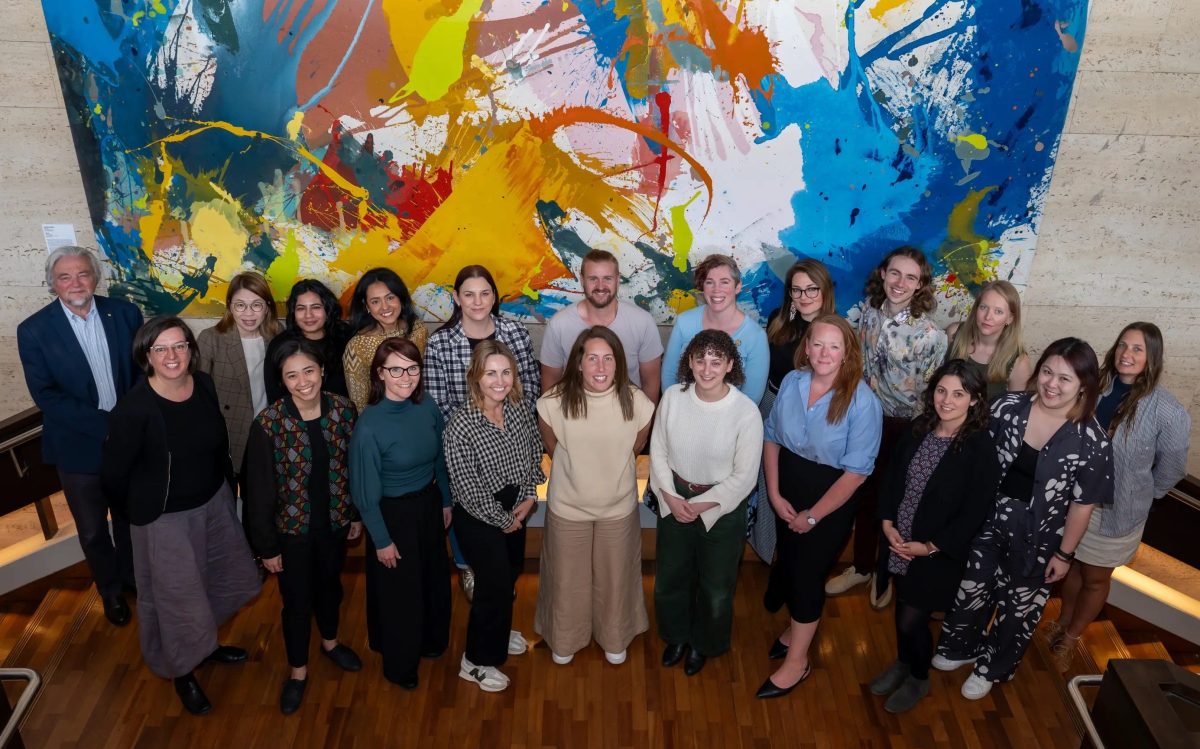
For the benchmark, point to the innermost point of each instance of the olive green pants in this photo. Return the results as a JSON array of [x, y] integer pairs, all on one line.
[[695, 580]]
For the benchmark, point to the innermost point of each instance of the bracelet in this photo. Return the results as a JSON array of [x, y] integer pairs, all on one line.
[[1064, 556]]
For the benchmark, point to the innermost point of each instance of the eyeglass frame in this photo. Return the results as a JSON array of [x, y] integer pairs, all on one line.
[[178, 347], [257, 306], [392, 371], [807, 292]]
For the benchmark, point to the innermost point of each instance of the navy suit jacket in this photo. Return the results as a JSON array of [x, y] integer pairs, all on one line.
[[61, 382]]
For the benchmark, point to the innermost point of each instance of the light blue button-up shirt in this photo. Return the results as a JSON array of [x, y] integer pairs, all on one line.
[[89, 331], [851, 444]]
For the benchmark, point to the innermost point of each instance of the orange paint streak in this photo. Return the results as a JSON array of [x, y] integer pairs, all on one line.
[[737, 50]]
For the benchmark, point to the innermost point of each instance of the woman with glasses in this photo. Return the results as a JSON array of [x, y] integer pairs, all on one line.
[[399, 484], [719, 281], [314, 314], [234, 352], [298, 504], [808, 292], [380, 309], [166, 467]]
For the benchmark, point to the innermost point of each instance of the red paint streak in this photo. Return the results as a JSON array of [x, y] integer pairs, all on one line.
[[412, 194], [415, 195], [663, 101]]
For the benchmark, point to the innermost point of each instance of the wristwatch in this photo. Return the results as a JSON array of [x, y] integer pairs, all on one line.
[[809, 518]]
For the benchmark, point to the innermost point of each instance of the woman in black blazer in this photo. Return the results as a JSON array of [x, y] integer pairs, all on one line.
[[941, 483]]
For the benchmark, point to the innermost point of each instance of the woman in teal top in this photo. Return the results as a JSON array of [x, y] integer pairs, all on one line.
[[719, 281], [399, 484]]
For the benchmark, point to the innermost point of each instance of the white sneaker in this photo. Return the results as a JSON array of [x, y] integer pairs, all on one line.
[[845, 581], [561, 660], [615, 658], [517, 644], [976, 687], [487, 678], [942, 663]]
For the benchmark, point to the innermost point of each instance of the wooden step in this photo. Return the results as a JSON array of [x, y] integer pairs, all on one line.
[[1101, 643], [1151, 650]]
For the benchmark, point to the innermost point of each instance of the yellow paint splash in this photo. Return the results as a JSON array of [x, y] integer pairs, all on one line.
[[159, 7], [285, 268], [967, 253], [438, 62], [202, 126], [97, 109], [137, 17], [681, 301], [217, 230], [975, 139], [682, 233], [294, 125], [156, 206], [881, 8]]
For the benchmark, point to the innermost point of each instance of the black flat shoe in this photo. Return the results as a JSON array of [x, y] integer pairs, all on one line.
[[292, 695], [116, 610], [407, 683], [694, 662], [345, 658], [770, 689], [778, 650], [673, 654], [191, 695], [227, 654]]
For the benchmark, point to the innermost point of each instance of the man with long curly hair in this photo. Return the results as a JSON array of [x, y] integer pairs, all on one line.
[[901, 349]]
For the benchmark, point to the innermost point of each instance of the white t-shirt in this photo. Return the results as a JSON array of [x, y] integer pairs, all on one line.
[[633, 325], [255, 350]]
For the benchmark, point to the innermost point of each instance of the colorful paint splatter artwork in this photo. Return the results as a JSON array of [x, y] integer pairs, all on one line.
[[324, 137]]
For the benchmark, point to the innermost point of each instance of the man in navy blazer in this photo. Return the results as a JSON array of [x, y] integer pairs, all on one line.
[[77, 353]]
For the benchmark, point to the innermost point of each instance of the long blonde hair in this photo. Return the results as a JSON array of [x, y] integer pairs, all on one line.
[[1009, 347]]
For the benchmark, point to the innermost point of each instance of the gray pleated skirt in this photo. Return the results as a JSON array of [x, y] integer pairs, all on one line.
[[194, 570]]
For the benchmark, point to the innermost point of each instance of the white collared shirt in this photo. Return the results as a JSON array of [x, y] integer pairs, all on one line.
[[89, 331]]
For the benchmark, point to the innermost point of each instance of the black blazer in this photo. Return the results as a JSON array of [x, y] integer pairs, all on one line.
[[136, 474], [61, 382], [956, 501]]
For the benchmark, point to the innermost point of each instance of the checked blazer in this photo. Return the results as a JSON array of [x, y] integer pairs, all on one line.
[[222, 357]]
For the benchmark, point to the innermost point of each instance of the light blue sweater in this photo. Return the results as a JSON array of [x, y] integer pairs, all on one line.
[[751, 343]]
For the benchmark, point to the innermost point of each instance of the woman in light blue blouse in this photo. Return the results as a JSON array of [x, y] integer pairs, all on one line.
[[820, 443], [720, 281]]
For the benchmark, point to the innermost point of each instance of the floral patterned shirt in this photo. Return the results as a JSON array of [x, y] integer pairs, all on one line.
[[900, 354], [920, 469]]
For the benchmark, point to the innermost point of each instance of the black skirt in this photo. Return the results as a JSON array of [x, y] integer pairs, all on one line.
[[803, 560]]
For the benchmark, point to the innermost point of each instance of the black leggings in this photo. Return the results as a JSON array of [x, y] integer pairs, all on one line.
[[914, 641]]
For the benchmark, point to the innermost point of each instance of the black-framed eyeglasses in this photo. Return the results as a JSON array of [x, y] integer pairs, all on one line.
[[395, 372], [178, 348], [808, 291]]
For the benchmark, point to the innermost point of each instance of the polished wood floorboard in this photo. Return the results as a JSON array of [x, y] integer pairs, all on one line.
[[98, 693]]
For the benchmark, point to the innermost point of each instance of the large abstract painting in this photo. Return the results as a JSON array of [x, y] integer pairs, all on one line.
[[324, 137]]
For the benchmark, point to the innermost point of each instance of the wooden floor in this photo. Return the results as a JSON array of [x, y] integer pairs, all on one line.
[[99, 694]]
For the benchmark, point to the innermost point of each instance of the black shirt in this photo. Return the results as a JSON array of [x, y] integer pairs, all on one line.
[[195, 438], [1018, 482], [783, 356], [318, 478], [476, 341], [1106, 409]]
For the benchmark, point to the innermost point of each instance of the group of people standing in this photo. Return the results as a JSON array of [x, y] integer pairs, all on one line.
[[970, 479]]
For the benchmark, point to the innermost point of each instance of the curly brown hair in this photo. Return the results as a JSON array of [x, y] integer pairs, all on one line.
[[922, 301], [715, 342]]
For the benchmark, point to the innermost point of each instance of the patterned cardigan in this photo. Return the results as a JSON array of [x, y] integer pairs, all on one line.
[[278, 465]]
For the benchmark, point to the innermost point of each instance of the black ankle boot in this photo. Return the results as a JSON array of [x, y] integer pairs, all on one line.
[[191, 695]]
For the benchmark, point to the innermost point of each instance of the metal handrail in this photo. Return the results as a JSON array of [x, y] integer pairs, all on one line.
[[23, 702], [1085, 680], [16, 441]]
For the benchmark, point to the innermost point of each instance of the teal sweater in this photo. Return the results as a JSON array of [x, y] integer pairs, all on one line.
[[396, 449]]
